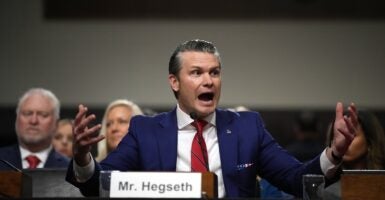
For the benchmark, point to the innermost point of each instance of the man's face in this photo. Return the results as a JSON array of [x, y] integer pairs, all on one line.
[[36, 123], [198, 83]]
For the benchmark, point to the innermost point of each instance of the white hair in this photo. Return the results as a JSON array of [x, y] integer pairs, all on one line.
[[42, 92]]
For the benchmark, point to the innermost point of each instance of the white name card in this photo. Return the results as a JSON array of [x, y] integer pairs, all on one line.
[[156, 184]]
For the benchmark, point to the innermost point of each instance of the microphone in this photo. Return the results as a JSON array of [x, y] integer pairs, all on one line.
[[194, 115], [10, 165]]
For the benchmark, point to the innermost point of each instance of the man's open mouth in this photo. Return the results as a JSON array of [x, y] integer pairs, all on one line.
[[206, 96]]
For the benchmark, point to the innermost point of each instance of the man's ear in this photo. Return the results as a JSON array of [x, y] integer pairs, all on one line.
[[174, 82]]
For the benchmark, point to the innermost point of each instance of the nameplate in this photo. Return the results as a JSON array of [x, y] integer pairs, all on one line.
[[156, 184]]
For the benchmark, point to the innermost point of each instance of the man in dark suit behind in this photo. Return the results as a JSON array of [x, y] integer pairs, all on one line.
[[238, 146], [37, 114]]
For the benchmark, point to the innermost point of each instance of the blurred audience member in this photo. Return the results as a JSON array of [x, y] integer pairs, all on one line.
[[239, 109], [37, 114], [366, 151], [149, 112], [307, 142], [62, 140], [115, 123]]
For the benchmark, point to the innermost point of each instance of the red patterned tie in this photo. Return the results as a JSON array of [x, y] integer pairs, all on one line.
[[33, 161], [199, 160]]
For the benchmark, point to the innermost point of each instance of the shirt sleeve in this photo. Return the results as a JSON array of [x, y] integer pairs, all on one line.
[[82, 174], [327, 167]]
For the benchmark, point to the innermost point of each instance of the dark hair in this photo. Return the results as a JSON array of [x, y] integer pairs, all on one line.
[[307, 121], [196, 45], [375, 138]]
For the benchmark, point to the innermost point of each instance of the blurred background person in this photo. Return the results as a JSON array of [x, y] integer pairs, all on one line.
[[37, 114], [366, 152], [115, 123], [62, 140], [307, 141], [239, 109]]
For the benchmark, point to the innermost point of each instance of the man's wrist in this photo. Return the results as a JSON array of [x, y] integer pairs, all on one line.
[[83, 160], [336, 158]]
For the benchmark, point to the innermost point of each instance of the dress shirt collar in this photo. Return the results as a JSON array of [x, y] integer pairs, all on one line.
[[184, 119], [42, 155]]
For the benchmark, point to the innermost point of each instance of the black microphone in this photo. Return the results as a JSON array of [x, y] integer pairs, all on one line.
[[10, 165], [194, 115]]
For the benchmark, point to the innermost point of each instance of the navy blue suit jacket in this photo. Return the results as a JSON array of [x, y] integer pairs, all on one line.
[[13, 156], [246, 149]]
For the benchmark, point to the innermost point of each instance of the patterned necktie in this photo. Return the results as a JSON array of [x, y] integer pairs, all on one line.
[[199, 160], [33, 161]]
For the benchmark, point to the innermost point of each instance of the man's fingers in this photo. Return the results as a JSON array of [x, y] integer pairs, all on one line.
[[351, 120], [80, 128], [339, 111], [353, 114], [348, 136], [80, 115], [88, 133], [353, 107], [92, 141], [94, 129], [351, 129]]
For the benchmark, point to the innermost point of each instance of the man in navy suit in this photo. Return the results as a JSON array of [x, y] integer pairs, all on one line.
[[238, 145], [36, 122]]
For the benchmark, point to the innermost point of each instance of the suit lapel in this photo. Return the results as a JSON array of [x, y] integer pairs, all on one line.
[[228, 148], [56, 160], [167, 137], [15, 156], [51, 159]]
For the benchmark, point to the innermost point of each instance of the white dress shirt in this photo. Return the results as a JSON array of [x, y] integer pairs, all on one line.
[[186, 133], [42, 155]]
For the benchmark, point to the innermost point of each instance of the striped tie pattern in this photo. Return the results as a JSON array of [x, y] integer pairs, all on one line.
[[199, 159]]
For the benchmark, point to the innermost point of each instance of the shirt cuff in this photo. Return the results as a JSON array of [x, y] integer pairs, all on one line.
[[328, 168], [82, 174]]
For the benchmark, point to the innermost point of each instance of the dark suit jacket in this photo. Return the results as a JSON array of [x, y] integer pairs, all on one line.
[[246, 149], [13, 156]]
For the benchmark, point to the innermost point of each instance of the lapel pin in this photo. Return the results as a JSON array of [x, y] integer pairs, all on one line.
[[228, 131]]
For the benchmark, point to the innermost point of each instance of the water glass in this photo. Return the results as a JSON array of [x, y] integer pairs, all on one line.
[[313, 186]]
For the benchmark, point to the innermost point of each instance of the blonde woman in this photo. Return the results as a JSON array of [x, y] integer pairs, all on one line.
[[115, 123]]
